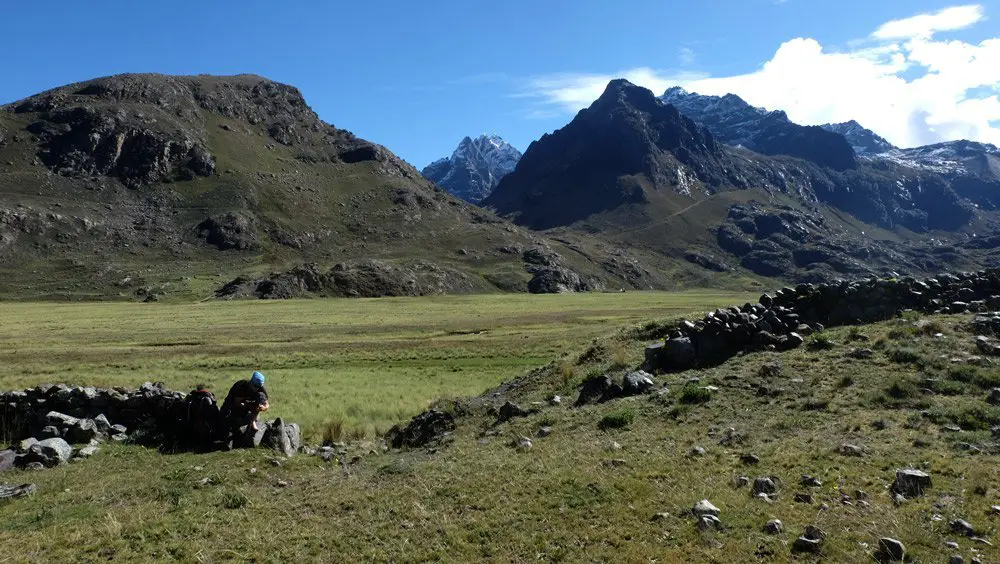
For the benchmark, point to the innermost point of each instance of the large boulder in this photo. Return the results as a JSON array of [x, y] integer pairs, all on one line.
[[678, 354], [50, 452], [428, 427], [84, 431], [635, 383], [285, 438], [911, 483]]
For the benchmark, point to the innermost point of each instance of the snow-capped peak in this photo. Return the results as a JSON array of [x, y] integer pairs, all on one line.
[[475, 167]]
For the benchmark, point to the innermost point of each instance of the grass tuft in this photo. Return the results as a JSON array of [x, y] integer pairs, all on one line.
[[618, 419]]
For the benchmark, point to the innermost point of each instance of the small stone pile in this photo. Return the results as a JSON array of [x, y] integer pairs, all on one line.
[[780, 321]]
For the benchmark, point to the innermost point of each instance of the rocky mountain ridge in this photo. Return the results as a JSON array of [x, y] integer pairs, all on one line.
[[631, 162], [474, 168]]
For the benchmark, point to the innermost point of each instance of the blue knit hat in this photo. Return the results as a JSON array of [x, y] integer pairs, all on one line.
[[257, 379]]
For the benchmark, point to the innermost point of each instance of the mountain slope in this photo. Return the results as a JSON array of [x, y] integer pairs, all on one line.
[[475, 168], [136, 185], [633, 170], [735, 122]]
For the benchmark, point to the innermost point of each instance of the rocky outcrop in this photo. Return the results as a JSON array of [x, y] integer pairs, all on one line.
[[355, 279], [230, 230], [85, 141], [779, 321], [428, 428]]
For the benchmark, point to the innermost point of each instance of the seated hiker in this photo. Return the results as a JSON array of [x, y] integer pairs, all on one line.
[[246, 400]]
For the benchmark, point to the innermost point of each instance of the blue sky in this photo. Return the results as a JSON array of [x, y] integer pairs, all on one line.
[[418, 76]]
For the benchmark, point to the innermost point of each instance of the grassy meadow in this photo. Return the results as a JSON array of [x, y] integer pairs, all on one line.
[[365, 364], [613, 482]]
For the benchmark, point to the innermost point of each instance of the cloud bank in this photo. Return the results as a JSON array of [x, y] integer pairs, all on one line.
[[903, 81]]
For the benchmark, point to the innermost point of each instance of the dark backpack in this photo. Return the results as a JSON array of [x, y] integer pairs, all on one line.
[[201, 417]]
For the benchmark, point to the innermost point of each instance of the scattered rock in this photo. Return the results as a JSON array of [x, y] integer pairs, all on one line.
[[910, 483], [509, 411], [962, 527], [635, 383], [764, 485], [523, 443], [697, 451], [810, 481], [805, 544], [847, 449], [803, 498], [660, 516], [705, 507], [11, 492], [428, 427], [773, 527], [709, 523], [555, 400], [749, 459], [741, 482], [890, 550], [544, 431]]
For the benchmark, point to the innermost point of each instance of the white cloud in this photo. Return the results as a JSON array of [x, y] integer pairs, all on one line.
[[925, 25], [903, 82]]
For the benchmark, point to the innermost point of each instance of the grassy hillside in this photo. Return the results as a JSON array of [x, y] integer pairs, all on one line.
[[612, 482], [133, 185]]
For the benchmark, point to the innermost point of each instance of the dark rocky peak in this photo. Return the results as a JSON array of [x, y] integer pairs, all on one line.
[[735, 122], [578, 170]]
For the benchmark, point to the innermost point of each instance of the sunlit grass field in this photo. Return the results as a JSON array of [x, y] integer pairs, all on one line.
[[366, 364]]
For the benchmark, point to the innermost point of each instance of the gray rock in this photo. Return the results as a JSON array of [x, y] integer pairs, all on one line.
[[60, 420], [804, 544], [956, 559], [910, 483], [803, 498], [103, 425], [523, 443], [7, 458], [87, 451], [555, 400], [117, 429], [544, 431], [678, 353], [83, 431], [773, 527], [11, 492], [891, 550], [764, 485], [847, 449], [709, 523], [25, 444], [635, 383], [962, 527], [49, 452], [49, 432], [810, 481], [705, 507], [282, 437], [509, 411]]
